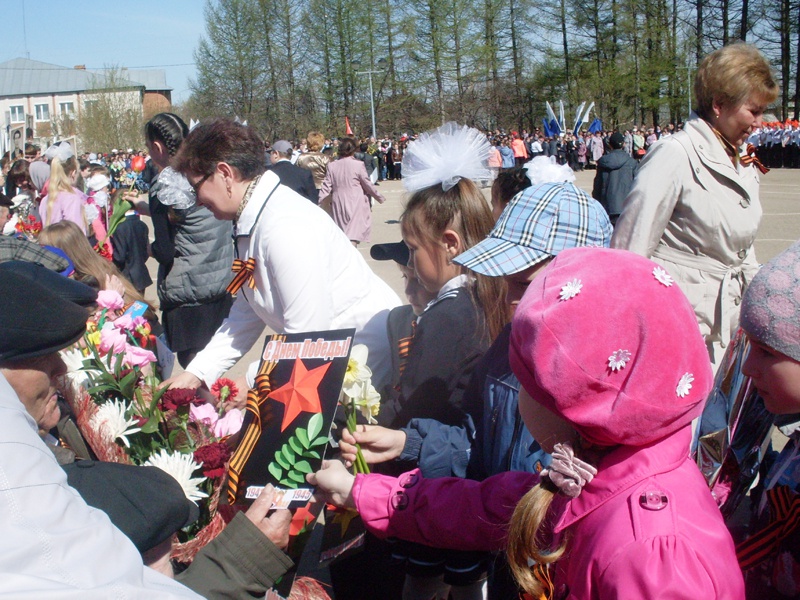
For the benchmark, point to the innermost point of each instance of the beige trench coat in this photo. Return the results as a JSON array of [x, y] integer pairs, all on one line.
[[692, 211]]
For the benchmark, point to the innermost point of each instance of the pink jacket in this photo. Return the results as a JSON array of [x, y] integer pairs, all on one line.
[[645, 527], [66, 207]]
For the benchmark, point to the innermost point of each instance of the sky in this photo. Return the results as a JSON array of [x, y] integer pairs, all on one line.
[[143, 34]]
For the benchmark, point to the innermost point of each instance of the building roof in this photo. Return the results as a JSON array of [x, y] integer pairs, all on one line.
[[25, 77]]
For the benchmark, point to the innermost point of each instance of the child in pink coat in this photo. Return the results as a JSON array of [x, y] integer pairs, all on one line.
[[613, 370]]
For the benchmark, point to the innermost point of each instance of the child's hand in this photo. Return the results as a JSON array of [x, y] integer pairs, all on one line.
[[335, 482], [378, 444]]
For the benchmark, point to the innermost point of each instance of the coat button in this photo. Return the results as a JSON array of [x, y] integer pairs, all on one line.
[[737, 301], [400, 501], [653, 500], [408, 480], [741, 254], [697, 170]]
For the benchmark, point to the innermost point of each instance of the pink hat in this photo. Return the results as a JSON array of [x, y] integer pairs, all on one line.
[[607, 340]]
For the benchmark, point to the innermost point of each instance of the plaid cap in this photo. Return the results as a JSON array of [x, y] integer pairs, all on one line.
[[538, 223]]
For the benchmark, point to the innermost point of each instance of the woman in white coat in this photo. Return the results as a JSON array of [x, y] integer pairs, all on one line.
[[694, 205], [296, 270]]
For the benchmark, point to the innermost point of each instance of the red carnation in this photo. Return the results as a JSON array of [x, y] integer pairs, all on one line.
[[223, 389], [175, 397], [213, 457]]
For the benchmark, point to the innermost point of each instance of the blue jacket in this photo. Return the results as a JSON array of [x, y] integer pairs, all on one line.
[[508, 157], [497, 442]]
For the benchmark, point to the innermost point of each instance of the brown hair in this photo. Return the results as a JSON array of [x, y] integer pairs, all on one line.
[[222, 140], [463, 208], [732, 75], [315, 141], [347, 147], [509, 183], [67, 236]]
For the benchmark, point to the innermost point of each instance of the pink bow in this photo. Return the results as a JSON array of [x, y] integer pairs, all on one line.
[[568, 472]]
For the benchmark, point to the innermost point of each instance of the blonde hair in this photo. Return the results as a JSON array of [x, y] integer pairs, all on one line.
[[732, 75], [60, 181], [529, 537], [67, 236], [462, 208], [315, 141]]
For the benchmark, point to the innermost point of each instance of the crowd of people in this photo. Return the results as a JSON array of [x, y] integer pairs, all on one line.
[[538, 390]]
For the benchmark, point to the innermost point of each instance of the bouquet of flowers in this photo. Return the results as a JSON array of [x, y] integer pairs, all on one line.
[[359, 396], [117, 215], [30, 227], [126, 416]]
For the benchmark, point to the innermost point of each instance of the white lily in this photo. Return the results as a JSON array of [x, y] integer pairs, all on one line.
[[368, 402], [357, 371], [181, 467], [110, 421]]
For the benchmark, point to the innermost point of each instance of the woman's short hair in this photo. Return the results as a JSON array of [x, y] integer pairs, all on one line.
[[222, 140], [315, 141], [347, 147], [732, 75]]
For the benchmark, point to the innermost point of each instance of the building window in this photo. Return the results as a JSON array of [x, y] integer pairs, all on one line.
[[18, 114], [67, 109], [42, 112], [89, 104]]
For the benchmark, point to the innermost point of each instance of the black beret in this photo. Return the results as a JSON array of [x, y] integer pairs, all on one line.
[[62, 286], [36, 320], [396, 251], [145, 503]]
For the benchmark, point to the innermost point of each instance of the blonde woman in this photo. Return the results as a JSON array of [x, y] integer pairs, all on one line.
[[63, 201]]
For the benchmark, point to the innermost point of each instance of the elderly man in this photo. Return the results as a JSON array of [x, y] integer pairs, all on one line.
[[55, 546], [292, 176]]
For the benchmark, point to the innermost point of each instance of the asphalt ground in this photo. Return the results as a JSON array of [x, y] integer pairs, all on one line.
[[780, 226]]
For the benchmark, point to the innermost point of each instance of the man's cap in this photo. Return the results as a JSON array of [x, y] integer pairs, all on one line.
[[36, 320], [145, 503], [64, 287], [616, 140], [282, 146], [396, 251], [538, 223]]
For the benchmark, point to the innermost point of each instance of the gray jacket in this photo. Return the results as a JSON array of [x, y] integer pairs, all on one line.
[[194, 251]]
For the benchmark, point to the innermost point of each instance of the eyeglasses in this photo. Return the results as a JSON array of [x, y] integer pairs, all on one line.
[[196, 186]]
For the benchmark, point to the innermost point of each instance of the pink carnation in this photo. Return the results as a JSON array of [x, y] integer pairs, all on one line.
[[110, 299], [112, 339], [138, 357], [129, 323], [229, 424], [204, 413]]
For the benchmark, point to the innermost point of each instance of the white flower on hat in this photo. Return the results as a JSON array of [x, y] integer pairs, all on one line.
[[618, 359], [684, 385], [570, 289], [663, 277], [181, 467], [110, 422]]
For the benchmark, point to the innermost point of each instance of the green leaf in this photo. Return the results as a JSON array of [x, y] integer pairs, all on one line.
[[275, 470], [288, 483], [313, 454], [288, 454], [151, 426], [303, 466], [320, 441], [295, 476], [282, 461], [314, 425], [302, 435], [296, 446]]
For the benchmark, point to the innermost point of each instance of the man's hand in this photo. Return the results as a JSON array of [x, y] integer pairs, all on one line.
[[185, 380], [378, 444], [335, 482], [274, 526]]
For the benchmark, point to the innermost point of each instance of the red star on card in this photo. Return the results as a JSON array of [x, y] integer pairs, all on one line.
[[300, 393], [300, 519]]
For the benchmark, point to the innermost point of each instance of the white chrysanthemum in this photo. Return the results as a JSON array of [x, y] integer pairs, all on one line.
[[181, 467], [663, 277], [110, 421], [684, 385], [618, 359], [570, 289]]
